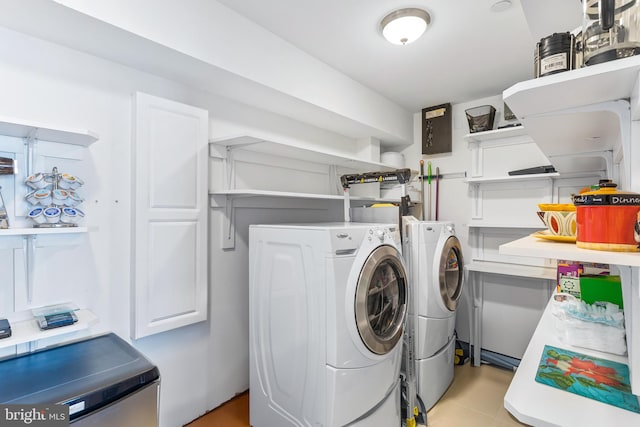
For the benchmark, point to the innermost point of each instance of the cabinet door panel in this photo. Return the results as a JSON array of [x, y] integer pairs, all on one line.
[[173, 252], [173, 164], [170, 220]]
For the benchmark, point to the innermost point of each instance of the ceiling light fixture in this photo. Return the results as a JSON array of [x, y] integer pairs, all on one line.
[[404, 26], [501, 6]]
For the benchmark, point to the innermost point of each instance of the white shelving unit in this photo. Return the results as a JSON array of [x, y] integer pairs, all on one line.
[[32, 132], [493, 154], [223, 148], [296, 152], [27, 330], [283, 169], [589, 110], [542, 405]]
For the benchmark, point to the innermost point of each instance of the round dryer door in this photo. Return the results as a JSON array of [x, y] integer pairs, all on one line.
[[381, 300], [451, 273]]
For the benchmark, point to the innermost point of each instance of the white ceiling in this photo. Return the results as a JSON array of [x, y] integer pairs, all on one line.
[[468, 51]]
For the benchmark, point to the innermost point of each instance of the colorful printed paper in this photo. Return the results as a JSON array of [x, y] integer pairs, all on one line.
[[591, 377]]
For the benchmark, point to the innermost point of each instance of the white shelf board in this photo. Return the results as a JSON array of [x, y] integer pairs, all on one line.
[[268, 193], [519, 270], [32, 231], [491, 135], [480, 224], [595, 84], [509, 178], [28, 330], [24, 129], [542, 405], [530, 246], [577, 111], [291, 151], [288, 194]]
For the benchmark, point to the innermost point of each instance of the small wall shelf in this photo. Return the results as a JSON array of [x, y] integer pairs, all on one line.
[[511, 178], [491, 135], [42, 231], [31, 130], [28, 330], [519, 270]]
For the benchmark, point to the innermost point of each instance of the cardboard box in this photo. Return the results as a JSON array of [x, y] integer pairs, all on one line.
[[569, 273]]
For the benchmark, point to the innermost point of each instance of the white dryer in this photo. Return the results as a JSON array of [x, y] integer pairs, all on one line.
[[327, 309], [434, 258]]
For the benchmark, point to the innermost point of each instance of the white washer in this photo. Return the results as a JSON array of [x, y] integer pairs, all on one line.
[[434, 258], [327, 310]]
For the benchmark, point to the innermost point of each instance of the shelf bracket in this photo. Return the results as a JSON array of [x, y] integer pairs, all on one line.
[[476, 161], [625, 139], [229, 166], [29, 261], [30, 145], [476, 200], [228, 226], [622, 109]]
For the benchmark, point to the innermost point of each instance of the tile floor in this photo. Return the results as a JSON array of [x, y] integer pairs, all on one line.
[[474, 399]]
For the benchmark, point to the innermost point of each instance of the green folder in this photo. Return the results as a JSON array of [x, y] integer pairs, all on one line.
[[601, 288]]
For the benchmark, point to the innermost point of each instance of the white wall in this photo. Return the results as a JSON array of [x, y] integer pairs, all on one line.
[[455, 202], [216, 44], [454, 198], [201, 365]]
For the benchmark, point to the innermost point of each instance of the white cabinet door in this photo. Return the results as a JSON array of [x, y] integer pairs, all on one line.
[[170, 215]]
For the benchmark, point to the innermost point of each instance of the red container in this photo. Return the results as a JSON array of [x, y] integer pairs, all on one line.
[[606, 219]]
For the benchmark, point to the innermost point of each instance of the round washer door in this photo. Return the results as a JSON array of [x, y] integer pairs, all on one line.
[[381, 300], [450, 276]]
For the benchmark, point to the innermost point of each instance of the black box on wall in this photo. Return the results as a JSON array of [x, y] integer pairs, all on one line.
[[436, 129]]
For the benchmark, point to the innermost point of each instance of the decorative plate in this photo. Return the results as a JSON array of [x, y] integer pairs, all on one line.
[[544, 234]]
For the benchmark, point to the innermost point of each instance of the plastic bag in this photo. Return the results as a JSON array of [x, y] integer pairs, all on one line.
[[598, 326]]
